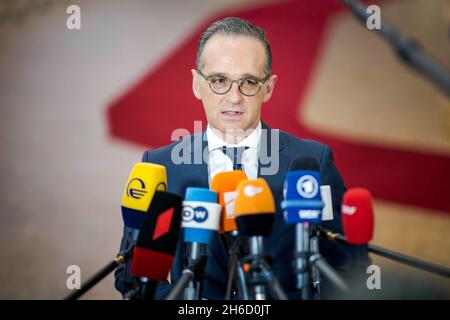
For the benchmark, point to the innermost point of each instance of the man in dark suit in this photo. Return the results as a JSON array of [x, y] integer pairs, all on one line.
[[233, 80]]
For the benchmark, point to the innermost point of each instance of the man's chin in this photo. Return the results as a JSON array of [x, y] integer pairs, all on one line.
[[233, 128], [238, 131]]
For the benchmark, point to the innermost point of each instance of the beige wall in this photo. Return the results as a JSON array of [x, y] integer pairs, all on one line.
[[62, 175]]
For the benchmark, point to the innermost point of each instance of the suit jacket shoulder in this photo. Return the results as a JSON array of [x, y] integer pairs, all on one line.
[[159, 155], [177, 148], [298, 147]]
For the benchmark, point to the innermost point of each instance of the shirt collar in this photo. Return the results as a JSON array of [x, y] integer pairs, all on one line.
[[215, 142]]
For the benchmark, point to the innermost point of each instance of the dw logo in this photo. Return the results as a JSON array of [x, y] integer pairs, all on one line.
[[198, 214]]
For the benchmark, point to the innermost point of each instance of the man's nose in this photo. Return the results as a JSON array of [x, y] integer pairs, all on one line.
[[234, 95]]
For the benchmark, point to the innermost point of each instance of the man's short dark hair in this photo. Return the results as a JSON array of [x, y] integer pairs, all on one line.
[[237, 27]]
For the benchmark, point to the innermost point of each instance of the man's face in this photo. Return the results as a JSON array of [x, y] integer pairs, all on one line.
[[234, 57]]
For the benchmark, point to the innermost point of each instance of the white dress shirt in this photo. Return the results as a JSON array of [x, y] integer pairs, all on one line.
[[219, 162]]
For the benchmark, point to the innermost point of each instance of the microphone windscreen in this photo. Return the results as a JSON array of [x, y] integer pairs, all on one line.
[[155, 248], [144, 180], [201, 215], [225, 184], [302, 192], [357, 216], [304, 163], [254, 207]]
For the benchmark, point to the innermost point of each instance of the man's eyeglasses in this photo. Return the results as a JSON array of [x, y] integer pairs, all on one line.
[[247, 86]]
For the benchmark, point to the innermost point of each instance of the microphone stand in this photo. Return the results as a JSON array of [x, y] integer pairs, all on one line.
[[318, 261], [408, 50], [308, 276], [192, 275], [315, 274], [309, 262], [301, 259], [100, 275], [144, 289], [234, 267], [399, 257], [261, 274]]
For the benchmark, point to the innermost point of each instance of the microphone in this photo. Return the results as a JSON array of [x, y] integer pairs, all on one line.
[[156, 245], [357, 216], [303, 200], [358, 223], [200, 219], [303, 206], [254, 210], [144, 180], [225, 184]]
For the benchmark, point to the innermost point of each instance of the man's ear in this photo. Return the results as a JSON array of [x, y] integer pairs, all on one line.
[[196, 84], [268, 90]]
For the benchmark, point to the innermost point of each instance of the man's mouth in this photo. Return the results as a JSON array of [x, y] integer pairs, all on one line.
[[232, 113]]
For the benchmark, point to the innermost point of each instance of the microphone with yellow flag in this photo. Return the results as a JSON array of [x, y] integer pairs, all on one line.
[[144, 180]]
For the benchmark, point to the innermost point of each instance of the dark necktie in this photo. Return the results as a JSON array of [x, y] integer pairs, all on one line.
[[235, 154]]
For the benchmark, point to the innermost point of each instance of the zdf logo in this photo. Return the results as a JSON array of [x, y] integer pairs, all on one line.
[[252, 191], [198, 214]]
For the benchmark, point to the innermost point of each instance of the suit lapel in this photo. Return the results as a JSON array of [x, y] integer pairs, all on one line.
[[195, 174]]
